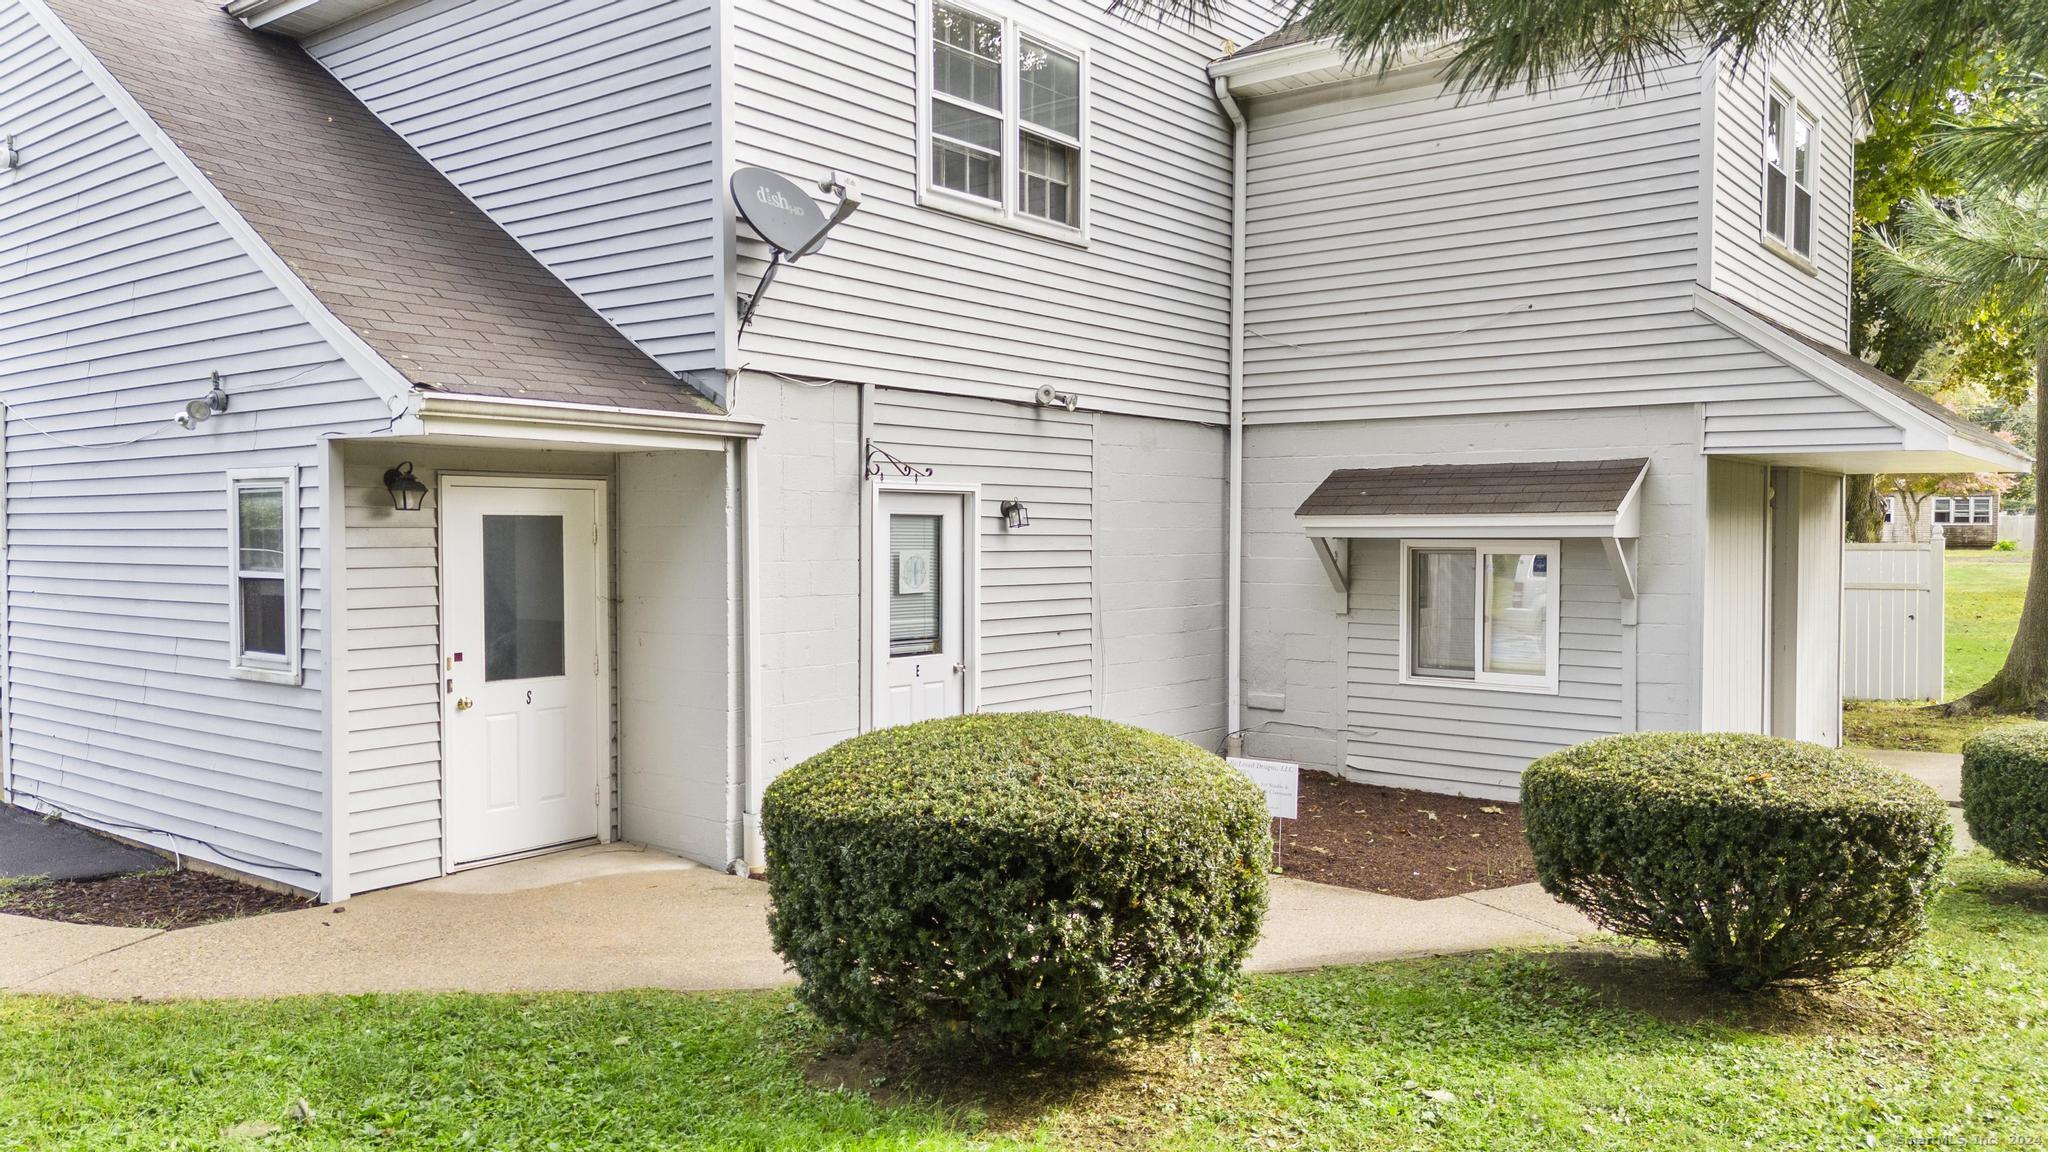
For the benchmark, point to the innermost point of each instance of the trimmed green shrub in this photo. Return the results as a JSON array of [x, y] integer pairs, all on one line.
[[1022, 884], [2005, 793], [2006, 546], [1757, 859]]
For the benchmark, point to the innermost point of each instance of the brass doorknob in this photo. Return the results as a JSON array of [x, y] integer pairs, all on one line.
[[464, 703]]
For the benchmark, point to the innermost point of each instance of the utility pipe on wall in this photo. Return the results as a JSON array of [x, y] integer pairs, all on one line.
[[1233, 595]]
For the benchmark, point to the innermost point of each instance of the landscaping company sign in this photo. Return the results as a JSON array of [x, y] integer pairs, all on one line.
[[1281, 782]]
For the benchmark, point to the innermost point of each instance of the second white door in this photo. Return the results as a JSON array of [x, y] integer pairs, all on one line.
[[522, 579], [922, 631]]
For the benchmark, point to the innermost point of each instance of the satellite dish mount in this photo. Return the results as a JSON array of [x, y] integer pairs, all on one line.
[[786, 217]]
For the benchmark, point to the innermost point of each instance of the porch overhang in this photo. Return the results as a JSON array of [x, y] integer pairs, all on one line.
[[1511, 500], [496, 422], [1921, 436]]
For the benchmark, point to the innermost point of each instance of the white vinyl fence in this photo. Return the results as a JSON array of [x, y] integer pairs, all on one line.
[[1891, 621], [2017, 526]]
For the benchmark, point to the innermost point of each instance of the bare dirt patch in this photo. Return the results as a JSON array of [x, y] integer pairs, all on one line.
[[164, 899], [1119, 1099], [1642, 979], [1417, 845]]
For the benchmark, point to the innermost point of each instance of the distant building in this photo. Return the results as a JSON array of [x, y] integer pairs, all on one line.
[[1965, 521]]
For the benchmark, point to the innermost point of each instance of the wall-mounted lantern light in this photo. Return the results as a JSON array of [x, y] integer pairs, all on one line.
[[1015, 514], [407, 493]]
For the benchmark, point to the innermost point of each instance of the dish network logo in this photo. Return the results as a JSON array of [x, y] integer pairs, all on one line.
[[775, 199]]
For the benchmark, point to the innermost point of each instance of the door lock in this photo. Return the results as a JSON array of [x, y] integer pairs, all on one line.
[[464, 703]]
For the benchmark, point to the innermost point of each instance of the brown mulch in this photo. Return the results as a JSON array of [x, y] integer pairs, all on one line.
[[145, 900], [1418, 845]]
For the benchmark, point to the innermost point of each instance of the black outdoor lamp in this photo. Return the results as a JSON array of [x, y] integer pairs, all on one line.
[[1015, 514], [407, 493]]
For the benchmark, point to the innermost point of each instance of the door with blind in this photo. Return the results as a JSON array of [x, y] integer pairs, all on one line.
[[921, 633]]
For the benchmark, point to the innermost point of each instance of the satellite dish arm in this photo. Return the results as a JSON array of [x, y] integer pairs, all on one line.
[[848, 190]]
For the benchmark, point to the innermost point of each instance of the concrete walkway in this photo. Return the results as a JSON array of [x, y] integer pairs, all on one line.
[[1942, 771], [623, 917]]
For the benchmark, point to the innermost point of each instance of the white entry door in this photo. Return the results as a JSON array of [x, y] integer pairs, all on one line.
[[522, 579], [922, 630]]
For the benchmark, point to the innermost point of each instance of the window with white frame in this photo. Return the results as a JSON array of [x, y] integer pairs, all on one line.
[[263, 572], [1004, 130], [1963, 509], [1483, 614], [1790, 146]]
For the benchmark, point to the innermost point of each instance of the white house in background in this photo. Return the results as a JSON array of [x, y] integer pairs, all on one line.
[[489, 530], [1966, 521]]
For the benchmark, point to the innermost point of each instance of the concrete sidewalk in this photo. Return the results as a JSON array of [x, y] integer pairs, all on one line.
[[620, 917], [1942, 771]]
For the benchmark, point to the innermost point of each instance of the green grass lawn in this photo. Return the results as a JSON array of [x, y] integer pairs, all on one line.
[[1982, 594], [1512, 1050]]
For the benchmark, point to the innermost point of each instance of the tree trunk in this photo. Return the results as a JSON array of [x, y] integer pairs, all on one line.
[[2022, 684], [1866, 510]]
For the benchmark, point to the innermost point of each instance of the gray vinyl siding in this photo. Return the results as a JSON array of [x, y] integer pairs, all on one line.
[[392, 713], [584, 130], [1036, 584], [907, 296], [1743, 269], [1470, 740], [1799, 415], [1320, 678], [121, 293], [1411, 254]]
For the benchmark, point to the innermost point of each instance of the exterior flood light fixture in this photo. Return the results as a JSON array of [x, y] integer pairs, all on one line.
[[199, 411], [1015, 514], [407, 493]]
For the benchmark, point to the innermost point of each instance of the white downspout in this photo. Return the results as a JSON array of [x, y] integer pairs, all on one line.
[[1233, 592]]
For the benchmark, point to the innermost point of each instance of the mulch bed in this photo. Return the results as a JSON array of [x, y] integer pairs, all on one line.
[[145, 900], [1418, 845]]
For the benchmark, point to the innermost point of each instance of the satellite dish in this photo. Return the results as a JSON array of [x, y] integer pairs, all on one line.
[[777, 210]]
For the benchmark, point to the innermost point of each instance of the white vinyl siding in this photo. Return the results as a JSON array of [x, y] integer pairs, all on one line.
[[1736, 628], [1036, 584], [1744, 266], [120, 297], [909, 297], [584, 130]]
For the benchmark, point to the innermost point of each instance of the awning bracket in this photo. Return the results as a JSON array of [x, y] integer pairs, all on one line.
[[1336, 557]]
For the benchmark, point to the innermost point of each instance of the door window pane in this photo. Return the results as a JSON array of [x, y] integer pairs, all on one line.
[[1518, 603], [915, 581], [523, 609], [1441, 587], [259, 527]]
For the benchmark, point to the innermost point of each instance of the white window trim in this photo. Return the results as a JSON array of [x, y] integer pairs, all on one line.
[[1481, 679], [1797, 109], [243, 665], [1004, 213]]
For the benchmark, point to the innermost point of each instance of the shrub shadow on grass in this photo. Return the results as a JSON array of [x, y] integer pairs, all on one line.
[[1111, 1100], [1639, 979], [2024, 891]]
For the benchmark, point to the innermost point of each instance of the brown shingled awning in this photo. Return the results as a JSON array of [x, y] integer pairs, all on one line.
[[1520, 499]]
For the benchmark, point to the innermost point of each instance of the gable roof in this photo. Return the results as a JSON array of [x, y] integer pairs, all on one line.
[[1942, 440], [383, 240]]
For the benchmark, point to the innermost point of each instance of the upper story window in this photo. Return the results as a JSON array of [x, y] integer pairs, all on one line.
[[1790, 141], [1005, 134], [263, 575]]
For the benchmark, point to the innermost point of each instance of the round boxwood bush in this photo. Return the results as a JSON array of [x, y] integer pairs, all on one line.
[[2005, 793], [1022, 884], [1757, 859]]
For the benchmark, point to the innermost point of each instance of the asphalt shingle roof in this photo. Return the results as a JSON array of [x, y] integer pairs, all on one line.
[[391, 248], [1518, 488]]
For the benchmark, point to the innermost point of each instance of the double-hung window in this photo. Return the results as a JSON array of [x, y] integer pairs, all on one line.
[[263, 575], [1004, 125], [1480, 614], [1962, 509], [1790, 144]]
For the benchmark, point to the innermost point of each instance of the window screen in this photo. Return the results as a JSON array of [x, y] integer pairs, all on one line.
[[1518, 613]]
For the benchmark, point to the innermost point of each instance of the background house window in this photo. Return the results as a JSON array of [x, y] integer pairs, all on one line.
[[1789, 164], [1483, 614], [1004, 122], [1963, 509], [263, 571]]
